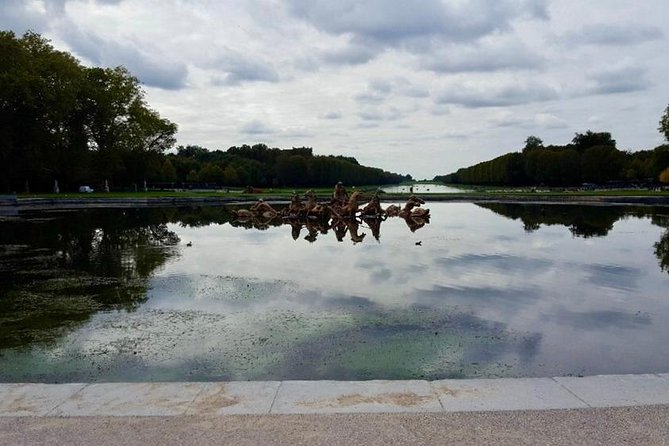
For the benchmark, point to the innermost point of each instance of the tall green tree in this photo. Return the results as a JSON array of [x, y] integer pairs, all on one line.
[[62, 121], [583, 141], [121, 126], [602, 163], [664, 124], [532, 142], [42, 124], [168, 173]]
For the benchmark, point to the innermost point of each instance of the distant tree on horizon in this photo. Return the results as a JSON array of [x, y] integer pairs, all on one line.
[[590, 157], [664, 124]]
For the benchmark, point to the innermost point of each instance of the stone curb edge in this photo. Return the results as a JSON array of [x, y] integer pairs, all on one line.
[[327, 397]]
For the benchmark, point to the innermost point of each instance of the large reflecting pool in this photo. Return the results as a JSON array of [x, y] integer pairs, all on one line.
[[488, 290]]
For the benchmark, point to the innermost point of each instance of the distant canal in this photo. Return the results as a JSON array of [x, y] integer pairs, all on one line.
[[423, 188], [490, 290]]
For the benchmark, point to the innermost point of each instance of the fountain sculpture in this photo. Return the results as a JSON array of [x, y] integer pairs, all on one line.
[[342, 214]]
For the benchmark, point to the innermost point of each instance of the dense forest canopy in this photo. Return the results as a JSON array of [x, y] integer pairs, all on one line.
[[61, 121], [263, 166], [591, 157]]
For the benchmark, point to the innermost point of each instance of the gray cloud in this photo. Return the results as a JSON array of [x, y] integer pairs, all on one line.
[[482, 58], [155, 73], [238, 69], [413, 25], [332, 115], [16, 16], [540, 120], [371, 116], [21, 16], [381, 86], [440, 110], [256, 127], [416, 92], [614, 34], [396, 20], [513, 121], [297, 133], [352, 54], [401, 86], [379, 20], [478, 97], [622, 80], [151, 67], [391, 114], [368, 97], [379, 90], [367, 125]]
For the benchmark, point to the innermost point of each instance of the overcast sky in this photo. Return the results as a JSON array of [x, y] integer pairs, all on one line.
[[412, 86]]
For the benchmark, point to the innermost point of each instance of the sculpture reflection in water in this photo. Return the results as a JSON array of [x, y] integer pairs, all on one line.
[[343, 215]]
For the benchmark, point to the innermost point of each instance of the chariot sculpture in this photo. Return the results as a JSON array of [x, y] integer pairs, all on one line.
[[343, 214]]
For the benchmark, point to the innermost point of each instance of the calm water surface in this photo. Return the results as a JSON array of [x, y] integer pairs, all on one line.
[[424, 188], [495, 290]]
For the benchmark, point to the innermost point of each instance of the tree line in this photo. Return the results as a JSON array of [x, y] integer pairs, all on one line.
[[591, 157], [63, 122], [262, 166]]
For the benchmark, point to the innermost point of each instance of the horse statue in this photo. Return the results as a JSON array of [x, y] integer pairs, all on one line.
[[351, 208], [414, 202], [295, 208], [393, 210], [373, 208], [263, 208], [313, 208]]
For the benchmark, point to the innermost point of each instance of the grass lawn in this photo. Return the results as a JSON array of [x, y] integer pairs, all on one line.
[[327, 192]]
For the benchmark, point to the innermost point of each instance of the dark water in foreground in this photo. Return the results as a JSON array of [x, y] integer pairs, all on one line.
[[492, 290]]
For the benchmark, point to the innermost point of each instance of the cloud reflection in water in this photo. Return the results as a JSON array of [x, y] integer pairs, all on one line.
[[481, 296]]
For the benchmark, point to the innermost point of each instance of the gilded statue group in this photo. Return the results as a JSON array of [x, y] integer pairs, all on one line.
[[343, 214]]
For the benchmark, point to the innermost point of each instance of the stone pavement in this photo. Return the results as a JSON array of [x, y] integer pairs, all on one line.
[[596, 410], [647, 425], [329, 397]]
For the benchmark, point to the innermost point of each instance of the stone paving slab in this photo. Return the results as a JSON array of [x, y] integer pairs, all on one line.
[[130, 399], [35, 400], [504, 394], [253, 397], [326, 397], [623, 426], [296, 397], [619, 390]]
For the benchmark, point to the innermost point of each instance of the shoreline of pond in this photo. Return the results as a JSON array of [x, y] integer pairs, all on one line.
[[112, 278], [13, 203]]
